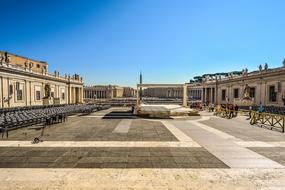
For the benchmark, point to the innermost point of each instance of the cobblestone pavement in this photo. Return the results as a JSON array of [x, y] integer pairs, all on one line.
[[112, 149]]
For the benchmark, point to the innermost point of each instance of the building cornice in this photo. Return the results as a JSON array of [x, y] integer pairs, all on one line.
[[250, 76], [13, 70], [44, 62]]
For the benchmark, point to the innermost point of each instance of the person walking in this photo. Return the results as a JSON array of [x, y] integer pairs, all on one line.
[[260, 110], [231, 111], [236, 110], [250, 110]]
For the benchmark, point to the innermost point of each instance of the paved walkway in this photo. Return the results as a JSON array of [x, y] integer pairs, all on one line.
[[158, 179], [225, 149], [126, 153]]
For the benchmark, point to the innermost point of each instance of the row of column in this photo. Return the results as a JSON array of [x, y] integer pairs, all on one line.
[[209, 95], [174, 93], [185, 96], [89, 94], [195, 94], [75, 95]]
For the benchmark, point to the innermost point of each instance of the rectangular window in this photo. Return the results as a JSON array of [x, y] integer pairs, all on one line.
[[38, 95], [223, 95], [62, 95], [19, 94], [236, 93], [11, 89], [19, 91], [252, 92], [272, 94]]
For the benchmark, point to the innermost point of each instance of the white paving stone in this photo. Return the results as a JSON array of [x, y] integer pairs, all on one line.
[[123, 126], [225, 149], [99, 144], [221, 179], [212, 130], [177, 132]]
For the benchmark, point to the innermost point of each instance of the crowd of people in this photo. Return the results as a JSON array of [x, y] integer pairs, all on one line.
[[231, 110]]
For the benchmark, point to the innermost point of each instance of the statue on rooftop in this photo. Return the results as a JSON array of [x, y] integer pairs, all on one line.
[[2, 58], [266, 66], [7, 57], [26, 64], [260, 67]]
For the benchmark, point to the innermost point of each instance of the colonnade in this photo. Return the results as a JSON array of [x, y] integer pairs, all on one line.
[[89, 94], [75, 95], [209, 95], [184, 92], [195, 94]]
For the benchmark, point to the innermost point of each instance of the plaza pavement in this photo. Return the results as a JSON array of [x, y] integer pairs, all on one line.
[[112, 149]]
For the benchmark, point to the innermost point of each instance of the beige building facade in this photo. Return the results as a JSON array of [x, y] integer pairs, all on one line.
[[265, 86], [194, 92], [26, 82], [107, 92]]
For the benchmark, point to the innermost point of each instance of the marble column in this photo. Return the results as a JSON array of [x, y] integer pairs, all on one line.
[[69, 94], [82, 91], [185, 97], [202, 95], [206, 95], [138, 98]]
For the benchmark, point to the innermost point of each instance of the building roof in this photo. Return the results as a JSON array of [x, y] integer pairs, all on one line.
[[44, 62]]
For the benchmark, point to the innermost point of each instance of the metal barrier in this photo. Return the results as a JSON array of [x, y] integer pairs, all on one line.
[[273, 120], [224, 112]]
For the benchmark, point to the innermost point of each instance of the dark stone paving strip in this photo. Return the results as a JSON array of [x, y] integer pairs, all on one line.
[[108, 158], [274, 153], [94, 129]]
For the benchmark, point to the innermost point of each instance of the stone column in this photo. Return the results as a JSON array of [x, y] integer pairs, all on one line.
[[79, 95], [230, 94], [185, 97], [82, 91], [74, 95], [206, 95], [138, 98], [25, 93], [209, 95], [264, 93], [258, 93], [69, 94], [212, 95]]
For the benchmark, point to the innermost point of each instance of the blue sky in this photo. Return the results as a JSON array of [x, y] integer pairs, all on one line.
[[109, 42]]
